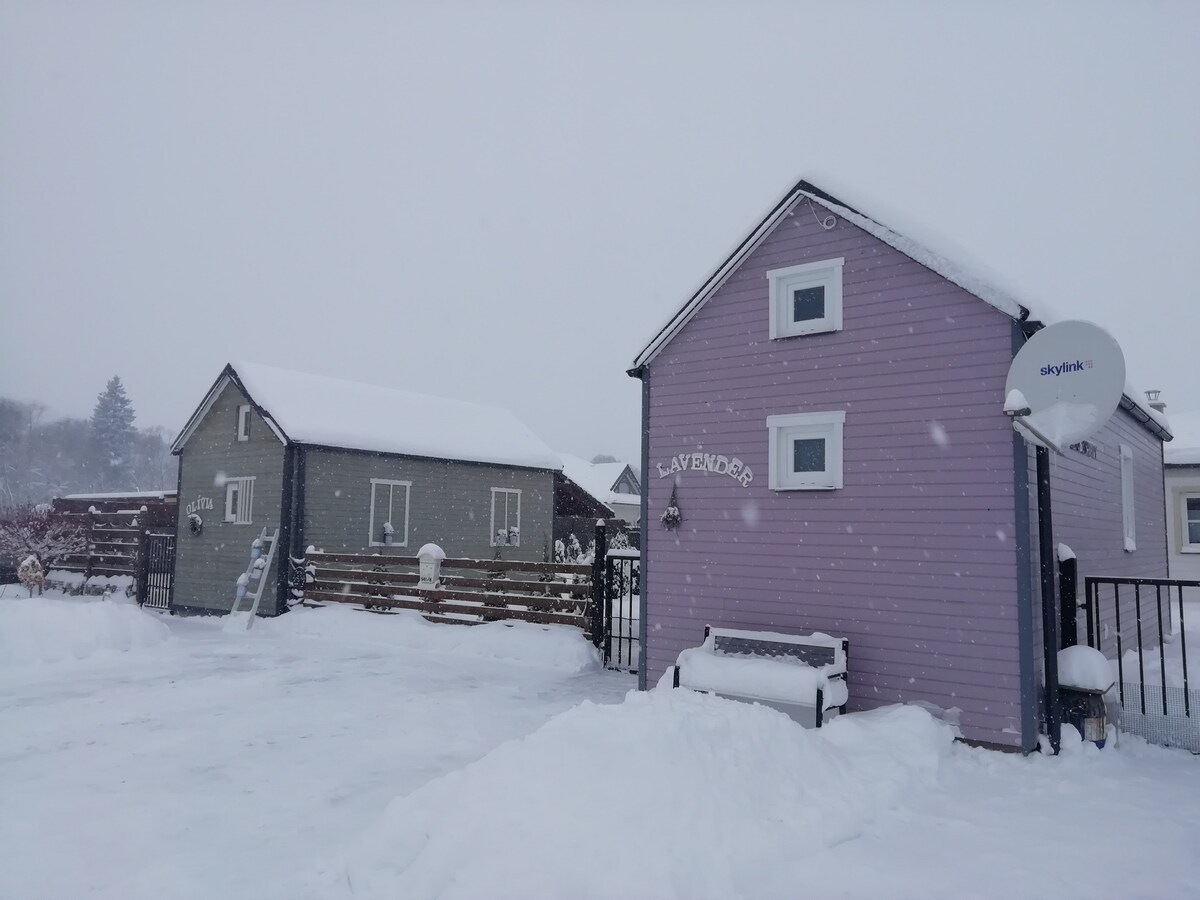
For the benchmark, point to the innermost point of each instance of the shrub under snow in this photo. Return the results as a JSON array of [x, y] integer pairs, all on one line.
[[47, 630], [621, 801]]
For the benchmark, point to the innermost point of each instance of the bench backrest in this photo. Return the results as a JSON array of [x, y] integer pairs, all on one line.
[[817, 650]]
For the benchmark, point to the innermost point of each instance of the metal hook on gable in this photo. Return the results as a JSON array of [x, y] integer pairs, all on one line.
[[829, 222]]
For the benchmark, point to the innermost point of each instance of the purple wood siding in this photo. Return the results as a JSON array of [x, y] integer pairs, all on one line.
[[914, 560], [1086, 495]]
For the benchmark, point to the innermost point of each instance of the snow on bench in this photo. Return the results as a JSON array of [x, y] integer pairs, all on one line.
[[803, 676]]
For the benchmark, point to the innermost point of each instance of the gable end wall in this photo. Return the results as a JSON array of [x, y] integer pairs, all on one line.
[[914, 560], [207, 565]]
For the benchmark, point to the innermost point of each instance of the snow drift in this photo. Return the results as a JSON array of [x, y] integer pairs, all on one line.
[[46, 630], [616, 801], [558, 647]]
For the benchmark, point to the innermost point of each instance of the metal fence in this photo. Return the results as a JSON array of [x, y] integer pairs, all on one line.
[[157, 570], [622, 644], [1143, 623]]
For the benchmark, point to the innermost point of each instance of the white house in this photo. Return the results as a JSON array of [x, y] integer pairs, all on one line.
[[1181, 473], [613, 484]]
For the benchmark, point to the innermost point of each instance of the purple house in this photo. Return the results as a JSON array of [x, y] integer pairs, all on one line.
[[827, 409]]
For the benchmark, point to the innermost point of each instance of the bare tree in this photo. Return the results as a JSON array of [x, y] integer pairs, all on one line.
[[36, 531]]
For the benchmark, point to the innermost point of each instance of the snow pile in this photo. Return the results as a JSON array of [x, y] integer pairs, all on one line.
[[115, 582], [671, 794], [1084, 668], [65, 578], [1185, 449], [559, 647], [45, 630], [768, 678]]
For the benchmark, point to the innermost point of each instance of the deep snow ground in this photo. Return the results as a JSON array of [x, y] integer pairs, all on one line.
[[217, 766], [336, 754]]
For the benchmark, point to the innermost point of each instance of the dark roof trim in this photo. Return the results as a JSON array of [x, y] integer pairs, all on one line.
[[358, 451], [228, 376]]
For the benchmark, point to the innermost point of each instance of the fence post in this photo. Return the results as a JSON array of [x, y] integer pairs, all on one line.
[[599, 594], [143, 566], [91, 546], [1068, 603]]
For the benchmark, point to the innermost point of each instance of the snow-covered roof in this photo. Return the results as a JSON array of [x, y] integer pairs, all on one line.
[[1185, 449], [970, 280], [598, 479], [123, 495], [320, 411]]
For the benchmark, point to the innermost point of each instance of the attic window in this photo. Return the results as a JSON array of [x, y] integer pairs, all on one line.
[[806, 299], [243, 422]]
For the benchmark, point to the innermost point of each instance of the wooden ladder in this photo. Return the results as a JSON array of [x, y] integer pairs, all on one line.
[[255, 576]]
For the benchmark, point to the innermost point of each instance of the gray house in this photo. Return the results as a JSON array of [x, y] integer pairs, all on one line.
[[348, 467]]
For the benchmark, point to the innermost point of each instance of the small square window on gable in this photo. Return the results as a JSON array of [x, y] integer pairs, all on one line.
[[243, 422], [806, 299], [805, 451]]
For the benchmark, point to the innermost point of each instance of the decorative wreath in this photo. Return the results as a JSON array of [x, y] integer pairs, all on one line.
[[671, 517]]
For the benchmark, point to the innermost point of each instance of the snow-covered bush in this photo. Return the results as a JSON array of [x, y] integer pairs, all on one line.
[[572, 552], [31, 574], [38, 532]]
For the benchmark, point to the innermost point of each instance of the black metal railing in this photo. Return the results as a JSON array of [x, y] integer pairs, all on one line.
[[157, 571], [622, 644], [1144, 600]]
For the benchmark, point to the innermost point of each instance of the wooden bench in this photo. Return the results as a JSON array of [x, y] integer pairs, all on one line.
[[803, 676]]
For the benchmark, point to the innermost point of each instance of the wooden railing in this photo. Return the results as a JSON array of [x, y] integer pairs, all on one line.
[[114, 544], [470, 591]]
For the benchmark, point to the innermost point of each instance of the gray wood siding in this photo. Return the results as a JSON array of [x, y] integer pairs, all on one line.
[[450, 504], [207, 566]]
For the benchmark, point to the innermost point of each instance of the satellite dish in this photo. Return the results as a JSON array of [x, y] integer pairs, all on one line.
[[1065, 383]]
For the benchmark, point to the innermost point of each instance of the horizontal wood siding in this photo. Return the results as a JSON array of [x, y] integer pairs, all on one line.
[[1185, 564], [450, 504], [1086, 514], [207, 565], [914, 559]]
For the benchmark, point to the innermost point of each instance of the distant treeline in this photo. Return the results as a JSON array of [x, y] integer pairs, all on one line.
[[43, 458]]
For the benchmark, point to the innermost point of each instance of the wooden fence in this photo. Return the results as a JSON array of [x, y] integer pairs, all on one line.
[[114, 542], [471, 591]]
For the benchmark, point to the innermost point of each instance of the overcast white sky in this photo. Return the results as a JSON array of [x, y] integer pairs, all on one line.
[[501, 202]]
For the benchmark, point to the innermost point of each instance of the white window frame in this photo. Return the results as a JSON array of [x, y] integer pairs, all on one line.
[[243, 422], [1128, 517], [507, 526], [1186, 545], [241, 513], [826, 273], [783, 429], [399, 538]]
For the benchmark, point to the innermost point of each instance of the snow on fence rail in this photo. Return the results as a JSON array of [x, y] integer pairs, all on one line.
[[487, 590], [113, 544]]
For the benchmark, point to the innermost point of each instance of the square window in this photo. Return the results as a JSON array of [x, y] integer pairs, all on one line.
[[506, 517], [806, 299], [808, 455], [243, 423], [388, 522], [808, 303], [1191, 523], [805, 451], [239, 500]]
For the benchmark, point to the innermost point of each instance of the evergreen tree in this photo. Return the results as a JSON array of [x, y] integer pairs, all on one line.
[[112, 438]]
